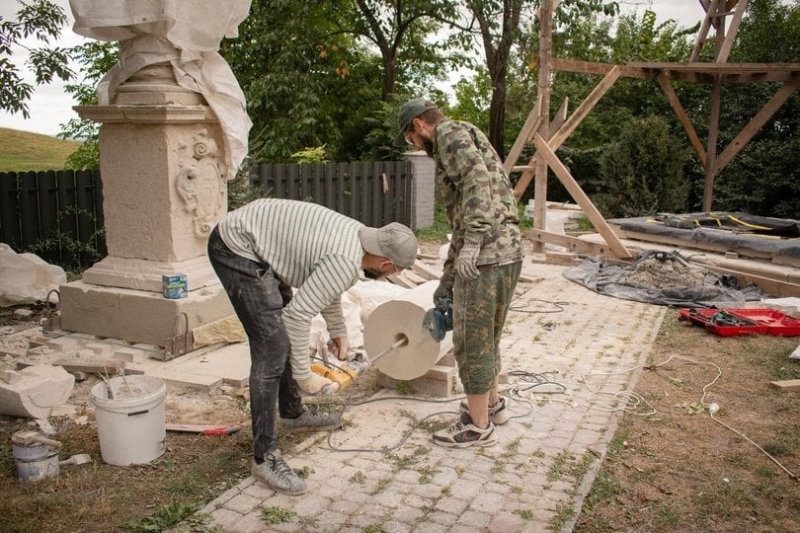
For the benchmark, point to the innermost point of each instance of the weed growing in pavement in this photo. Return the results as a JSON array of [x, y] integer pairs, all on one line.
[[426, 475], [276, 515], [516, 490], [563, 513], [358, 477], [304, 473], [166, 517], [403, 387], [539, 454], [460, 470], [381, 486], [558, 468], [374, 528], [307, 523], [525, 514], [432, 425], [499, 466]]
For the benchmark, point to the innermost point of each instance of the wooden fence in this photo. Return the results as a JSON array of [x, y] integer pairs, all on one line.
[[375, 193], [56, 215], [59, 214]]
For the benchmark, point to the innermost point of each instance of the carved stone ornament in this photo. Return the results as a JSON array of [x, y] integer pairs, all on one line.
[[201, 183]]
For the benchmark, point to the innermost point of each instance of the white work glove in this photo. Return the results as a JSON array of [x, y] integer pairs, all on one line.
[[466, 262], [317, 385]]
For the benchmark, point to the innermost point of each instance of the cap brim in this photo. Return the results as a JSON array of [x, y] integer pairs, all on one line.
[[370, 240], [400, 140]]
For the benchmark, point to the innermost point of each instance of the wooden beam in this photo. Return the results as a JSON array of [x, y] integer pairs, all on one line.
[[573, 122], [755, 124], [524, 137], [786, 385], [701, 37], [711, 155], [572, 186], [543, 88], [573, 244], [772, 286], [725, 50], [672, 97]]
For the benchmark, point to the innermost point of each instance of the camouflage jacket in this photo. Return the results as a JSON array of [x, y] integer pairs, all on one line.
[[477, 194]]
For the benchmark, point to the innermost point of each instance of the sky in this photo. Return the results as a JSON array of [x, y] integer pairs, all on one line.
[[50, 106]]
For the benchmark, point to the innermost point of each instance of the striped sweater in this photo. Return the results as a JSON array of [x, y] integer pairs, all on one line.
[[310, 247]]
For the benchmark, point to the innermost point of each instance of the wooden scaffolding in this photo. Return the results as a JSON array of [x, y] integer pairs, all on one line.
[[547, 136]]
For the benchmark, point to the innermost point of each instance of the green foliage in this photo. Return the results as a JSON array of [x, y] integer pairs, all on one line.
[[95, 59], [77, 251], [166, 517], [276, 515], [643, 172], [440, 228], [42, 20], [310, 155]]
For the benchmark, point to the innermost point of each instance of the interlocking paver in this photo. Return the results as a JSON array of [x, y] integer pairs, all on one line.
[[524, 483]]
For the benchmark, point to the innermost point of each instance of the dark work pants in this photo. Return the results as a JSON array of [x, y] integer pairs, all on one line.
[[258, 298]]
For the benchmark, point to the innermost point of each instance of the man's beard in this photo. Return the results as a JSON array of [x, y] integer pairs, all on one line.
[[371, 274], [428, 145]]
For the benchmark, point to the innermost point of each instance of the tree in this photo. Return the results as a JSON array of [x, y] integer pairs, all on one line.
[[95, 59], [399, 30], [42, 20], [499, 31], [643, 173]]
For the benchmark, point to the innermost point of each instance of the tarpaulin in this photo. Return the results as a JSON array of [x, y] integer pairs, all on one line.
[[186, 34]]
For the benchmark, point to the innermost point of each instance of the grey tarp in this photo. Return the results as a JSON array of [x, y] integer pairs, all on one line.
[[714, 290]]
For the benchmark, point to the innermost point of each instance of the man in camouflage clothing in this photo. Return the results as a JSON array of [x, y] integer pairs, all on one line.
[[483, 262]]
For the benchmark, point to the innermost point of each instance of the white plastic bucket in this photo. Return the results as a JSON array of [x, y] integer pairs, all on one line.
[[130, 420]]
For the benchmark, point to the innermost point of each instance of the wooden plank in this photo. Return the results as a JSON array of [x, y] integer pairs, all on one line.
[[680, 112], [577, 193], [426, 271], [704, 29], [524, 137], [711, 150], [789, 385], [573, 244], [771, 286], [440, 381], [725, 50], [755, 124]]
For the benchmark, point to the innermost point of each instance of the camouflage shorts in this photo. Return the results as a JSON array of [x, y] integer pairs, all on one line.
[[479, 313]]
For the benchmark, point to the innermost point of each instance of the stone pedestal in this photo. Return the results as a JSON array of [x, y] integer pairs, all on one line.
[[164, 189]]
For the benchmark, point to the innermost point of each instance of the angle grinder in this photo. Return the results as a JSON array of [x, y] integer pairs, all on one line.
[[439, 320]]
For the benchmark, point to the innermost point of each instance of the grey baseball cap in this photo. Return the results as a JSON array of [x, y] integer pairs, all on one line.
[[410, 110], [393, 241]]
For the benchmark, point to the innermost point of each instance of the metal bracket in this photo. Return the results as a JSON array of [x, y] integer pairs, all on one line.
[[179, 344]]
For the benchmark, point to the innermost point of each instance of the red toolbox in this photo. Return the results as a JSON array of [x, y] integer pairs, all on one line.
[[733, 322]]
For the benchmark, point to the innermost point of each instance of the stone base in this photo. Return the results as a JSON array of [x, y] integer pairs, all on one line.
[[144, 275], [137, 316]]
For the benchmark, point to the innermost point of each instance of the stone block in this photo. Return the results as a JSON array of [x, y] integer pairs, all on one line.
[[136, 316], [41, 388]]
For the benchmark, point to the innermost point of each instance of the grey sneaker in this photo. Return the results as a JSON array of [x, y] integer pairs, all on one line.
[[311, 420], [277, 475], [499, 413], [464, 434]]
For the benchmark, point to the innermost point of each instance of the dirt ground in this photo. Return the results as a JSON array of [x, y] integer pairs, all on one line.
[[672, 467]]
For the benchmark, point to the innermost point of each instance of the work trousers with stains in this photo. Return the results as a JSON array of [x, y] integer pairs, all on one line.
[[258, 298]]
